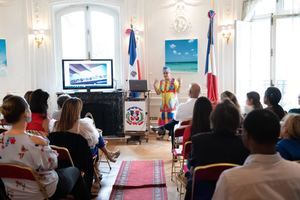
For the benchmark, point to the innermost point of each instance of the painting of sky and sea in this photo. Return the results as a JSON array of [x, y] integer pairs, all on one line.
[[3, 59], [182, 55]]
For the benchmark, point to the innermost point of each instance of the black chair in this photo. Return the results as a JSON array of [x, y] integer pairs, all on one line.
[[79, 150]]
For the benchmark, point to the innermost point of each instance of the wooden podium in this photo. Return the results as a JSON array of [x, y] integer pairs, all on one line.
[[137, 123]]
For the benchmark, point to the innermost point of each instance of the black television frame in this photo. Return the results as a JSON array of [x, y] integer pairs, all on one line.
[[88, 88]]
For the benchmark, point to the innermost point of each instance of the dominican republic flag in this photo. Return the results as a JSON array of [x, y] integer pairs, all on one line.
[[210, 68], [134, 63]]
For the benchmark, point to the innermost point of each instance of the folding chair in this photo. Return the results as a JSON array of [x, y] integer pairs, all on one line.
[[208, 173], [184, 123], [21, 172], [64, 156], [181, 176], [176, 152]]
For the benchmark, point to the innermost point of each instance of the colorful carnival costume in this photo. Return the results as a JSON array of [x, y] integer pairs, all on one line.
[[169, 90]]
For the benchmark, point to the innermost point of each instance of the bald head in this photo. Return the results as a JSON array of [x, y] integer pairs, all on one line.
[[194, 90]]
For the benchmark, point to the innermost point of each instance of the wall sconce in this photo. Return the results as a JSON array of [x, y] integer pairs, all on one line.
[[226, 32], [39, 36], [226, 35]]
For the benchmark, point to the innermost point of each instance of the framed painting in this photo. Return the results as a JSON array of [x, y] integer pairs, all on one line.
[[3, 58], [182, 55]]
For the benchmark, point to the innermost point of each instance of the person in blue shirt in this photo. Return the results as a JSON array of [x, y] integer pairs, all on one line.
[[289, 146]]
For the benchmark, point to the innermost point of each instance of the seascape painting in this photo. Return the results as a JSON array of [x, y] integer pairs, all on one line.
[[182, 55], [3, 58]]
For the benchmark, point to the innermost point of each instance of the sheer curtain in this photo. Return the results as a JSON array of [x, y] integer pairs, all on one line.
[[248, 9]]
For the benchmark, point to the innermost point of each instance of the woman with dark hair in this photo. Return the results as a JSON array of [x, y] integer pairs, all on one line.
[[231, 97], [39, 106], [22, 148], [200, 120], [271, 99], [222, 145], [252, 102]]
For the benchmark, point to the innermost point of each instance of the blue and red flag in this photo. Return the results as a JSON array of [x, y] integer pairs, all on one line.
[[134, 63], [210, 68]]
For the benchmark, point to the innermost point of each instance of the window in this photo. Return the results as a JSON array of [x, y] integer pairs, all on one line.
[[88, 32], [268, 45]]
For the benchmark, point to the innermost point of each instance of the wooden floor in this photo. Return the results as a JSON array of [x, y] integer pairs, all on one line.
[[153, 150]]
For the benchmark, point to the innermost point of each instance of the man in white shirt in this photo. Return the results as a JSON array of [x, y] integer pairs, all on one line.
[[184, 111], [265, 174]]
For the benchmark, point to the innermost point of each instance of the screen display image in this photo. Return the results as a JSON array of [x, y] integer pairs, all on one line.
[[87, 74]]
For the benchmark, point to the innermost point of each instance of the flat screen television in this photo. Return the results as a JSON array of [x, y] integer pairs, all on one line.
[[87, 74]]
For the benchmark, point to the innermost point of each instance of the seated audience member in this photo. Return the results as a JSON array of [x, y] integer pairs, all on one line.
[[22, 148], [70, 121], [184, 112], [231, 97], [2, 120], [289, 146], [219, 146], [200, 120], [27, 96], [265, 174], [296, 110], [39, 106], [252, 102], [271, 99], [60, 101]]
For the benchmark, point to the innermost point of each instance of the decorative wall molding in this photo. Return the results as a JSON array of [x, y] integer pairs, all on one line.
[[4, 3]]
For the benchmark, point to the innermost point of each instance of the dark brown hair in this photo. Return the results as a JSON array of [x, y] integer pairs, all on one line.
[[225, 117], [201, 113], [12, 108]]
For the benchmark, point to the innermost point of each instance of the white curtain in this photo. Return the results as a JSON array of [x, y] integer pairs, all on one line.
[[248, 9]]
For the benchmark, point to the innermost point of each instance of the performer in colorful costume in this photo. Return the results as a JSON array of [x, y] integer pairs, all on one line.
[[168, 89]]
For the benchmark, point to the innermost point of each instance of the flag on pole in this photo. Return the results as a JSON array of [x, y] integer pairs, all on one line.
[[210, 68], [134, 63]]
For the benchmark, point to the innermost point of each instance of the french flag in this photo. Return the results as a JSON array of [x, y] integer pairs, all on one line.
[[210, 68], [134, 63]]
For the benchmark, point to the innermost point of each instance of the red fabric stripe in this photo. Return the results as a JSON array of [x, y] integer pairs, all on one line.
[[139, 69], [212, 88], [132, 174]]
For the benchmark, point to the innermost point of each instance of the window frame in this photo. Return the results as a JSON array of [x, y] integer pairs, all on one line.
[[273, 17], [111, 10]]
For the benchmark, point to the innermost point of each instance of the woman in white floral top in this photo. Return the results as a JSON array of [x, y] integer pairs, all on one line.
[[21, 148]]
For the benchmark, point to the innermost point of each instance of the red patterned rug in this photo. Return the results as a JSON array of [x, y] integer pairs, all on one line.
[[140, 174], [148, 193]]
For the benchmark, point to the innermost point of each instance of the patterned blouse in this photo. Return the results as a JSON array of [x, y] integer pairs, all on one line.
[[21, 150]]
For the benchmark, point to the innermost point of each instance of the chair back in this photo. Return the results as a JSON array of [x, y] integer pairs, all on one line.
[[79, 150], [184, 123], [21, 172], [209, 173], [187, 149], [63, 156], [179, 131]]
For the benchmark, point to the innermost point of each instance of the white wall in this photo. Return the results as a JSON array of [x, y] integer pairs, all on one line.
[[30, 67], [13, 28]]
